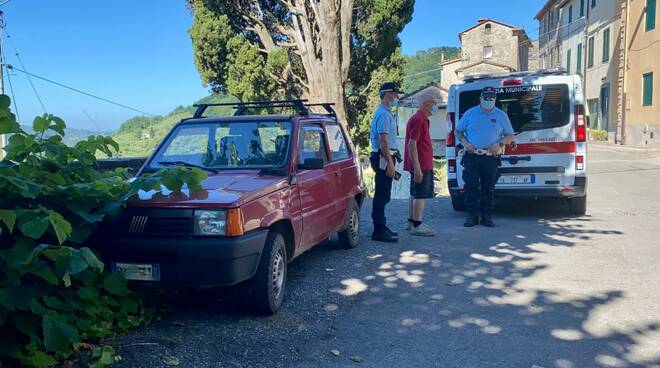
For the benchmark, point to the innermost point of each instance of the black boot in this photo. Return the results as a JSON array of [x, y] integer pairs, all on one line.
[[391, 232], [486, 220], [381, 234], [472, 220]]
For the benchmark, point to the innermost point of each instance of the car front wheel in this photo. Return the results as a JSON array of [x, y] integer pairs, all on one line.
[[269, 283], [350, 236]]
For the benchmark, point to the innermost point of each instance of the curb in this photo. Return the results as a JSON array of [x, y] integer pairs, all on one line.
[[619, 148]]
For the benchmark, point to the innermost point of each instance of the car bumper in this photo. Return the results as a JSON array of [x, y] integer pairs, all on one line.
[[190, 261], [578, 190]]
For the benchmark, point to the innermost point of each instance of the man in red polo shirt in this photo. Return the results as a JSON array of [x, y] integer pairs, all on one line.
[[418, 161]]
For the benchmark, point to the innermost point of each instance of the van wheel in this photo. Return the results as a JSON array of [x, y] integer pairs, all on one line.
[[350, 236], [578, 205], [458, 202], [269, 283]]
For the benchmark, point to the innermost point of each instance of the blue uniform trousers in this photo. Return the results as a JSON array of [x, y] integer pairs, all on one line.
[[382, 193], [480, 175]]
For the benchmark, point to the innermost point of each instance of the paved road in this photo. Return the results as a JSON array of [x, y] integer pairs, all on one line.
[[543, 289]]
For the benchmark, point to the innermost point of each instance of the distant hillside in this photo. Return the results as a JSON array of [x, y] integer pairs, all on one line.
[[139, 136], [71, 135], [417, 67]]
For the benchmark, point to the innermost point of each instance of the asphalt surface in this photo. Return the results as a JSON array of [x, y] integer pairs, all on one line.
[[543, 289]]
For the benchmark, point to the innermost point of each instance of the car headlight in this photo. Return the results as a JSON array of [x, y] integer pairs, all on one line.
[[210, 222]]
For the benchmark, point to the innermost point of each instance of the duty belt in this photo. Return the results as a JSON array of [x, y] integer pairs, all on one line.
[[482, 152]]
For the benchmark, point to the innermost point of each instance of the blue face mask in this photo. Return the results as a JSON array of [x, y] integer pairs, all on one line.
[[434, 109], [394, 102], [487, 104]]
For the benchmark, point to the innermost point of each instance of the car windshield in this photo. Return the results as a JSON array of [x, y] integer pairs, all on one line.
[[226, 145], [528, 107]]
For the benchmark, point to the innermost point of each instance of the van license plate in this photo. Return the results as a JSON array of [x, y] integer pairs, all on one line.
[[516, 179], [140, 272]]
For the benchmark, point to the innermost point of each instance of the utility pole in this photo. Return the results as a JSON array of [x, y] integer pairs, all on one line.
[[2, 73]]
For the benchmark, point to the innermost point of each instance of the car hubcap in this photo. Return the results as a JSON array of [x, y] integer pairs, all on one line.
[[354, 225], [278, 273]]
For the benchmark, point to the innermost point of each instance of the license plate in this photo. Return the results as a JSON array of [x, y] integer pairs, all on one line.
[[516, 179], [134, 271]]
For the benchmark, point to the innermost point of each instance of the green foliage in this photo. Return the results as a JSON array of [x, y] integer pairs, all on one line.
[[133, 139], [417, 67], [54, 291], [598, 135], [251, 52]]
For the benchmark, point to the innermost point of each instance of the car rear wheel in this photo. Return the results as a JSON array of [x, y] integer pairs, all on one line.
[[269, 283], [350, 236], [458, 202], [578, 205]]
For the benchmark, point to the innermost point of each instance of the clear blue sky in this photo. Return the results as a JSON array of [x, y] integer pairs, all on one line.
[[138, 53]]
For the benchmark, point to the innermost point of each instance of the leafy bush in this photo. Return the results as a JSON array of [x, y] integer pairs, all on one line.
[[54, 292], [598, 135]]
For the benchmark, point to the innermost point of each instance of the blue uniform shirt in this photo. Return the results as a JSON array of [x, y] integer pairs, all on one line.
[[484, 129], [383, 122]]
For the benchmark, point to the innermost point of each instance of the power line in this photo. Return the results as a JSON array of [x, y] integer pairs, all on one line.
[[420, 73], [79, 91], [13, 98], [34, 89]]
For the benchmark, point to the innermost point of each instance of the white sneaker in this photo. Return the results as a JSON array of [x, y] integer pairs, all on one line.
[[422, 230], [408, 226]]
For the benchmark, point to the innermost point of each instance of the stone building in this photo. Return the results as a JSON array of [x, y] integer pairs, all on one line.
[[488, 47], [549, 34]]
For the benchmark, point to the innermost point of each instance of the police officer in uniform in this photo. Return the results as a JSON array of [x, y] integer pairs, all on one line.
[[383, 135], [483, 131]]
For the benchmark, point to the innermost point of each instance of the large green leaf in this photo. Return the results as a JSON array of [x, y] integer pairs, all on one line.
[[92, 260], [15, 297], [35, 227], [60, 225], [40, 124], [9, 218], [47, 274], [58, 336], [5, 102], [40, 359], [115, 284]]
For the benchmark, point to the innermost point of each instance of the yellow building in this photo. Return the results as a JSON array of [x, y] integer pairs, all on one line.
[[639, 105]]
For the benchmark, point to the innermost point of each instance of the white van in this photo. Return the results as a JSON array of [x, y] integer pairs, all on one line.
[[548, 115]]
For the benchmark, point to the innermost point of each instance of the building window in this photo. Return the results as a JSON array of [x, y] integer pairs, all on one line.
[[578, 64], [570, 14], [488, 52], [606, 45], [593, 4], [581, 8], [650, 15], [488, 28], [568, 61], [590, 52], [647, 89]]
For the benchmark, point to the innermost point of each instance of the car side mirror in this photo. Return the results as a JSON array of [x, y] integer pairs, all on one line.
[[312, 164]]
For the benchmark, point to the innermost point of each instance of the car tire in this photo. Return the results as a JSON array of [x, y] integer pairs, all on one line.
[[269, 283], [458, 203], [578, 205], [349, 237]]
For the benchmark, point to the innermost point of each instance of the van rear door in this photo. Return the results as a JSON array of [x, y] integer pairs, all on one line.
[[541, 116]]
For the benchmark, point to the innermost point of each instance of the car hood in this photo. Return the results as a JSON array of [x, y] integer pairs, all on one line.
[[228, 189]]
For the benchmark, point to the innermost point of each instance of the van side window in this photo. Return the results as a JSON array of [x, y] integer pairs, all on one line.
[[337, 143], [312, 143]]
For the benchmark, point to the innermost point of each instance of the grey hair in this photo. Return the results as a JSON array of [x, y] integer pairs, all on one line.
[[428, 96]]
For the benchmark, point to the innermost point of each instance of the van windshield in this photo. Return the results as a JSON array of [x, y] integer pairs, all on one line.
[[226, 145], [528, 107]]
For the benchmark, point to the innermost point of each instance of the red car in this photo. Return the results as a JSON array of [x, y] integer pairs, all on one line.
[[277, 185]]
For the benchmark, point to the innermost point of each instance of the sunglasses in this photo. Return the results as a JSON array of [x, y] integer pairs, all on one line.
[[488, 98]]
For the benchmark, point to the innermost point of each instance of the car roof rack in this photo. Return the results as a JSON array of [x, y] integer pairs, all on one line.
[[300, 106], [551, 71]]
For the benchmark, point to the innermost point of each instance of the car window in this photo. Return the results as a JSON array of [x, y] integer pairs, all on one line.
[[312, 144], [227, 145], [528, 107], [336, 142]]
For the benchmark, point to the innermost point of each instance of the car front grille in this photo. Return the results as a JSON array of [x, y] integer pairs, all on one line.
[[152, 222]]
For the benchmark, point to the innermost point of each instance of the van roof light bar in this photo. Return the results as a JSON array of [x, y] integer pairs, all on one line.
[[551, 71]]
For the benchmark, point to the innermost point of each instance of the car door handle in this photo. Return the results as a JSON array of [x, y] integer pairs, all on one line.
[[337, 173]]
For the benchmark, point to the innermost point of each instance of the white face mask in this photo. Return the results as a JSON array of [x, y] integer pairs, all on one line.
[[487, 105], [394, 102]]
